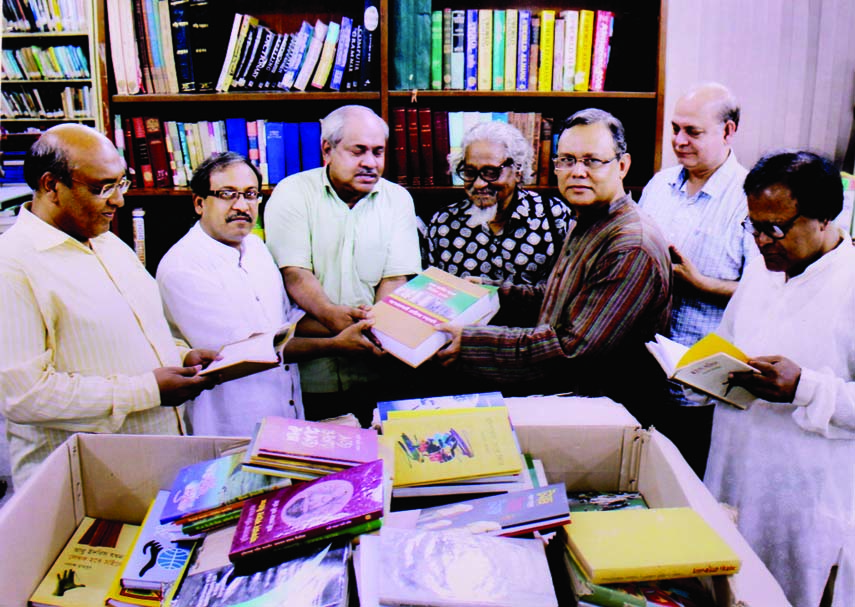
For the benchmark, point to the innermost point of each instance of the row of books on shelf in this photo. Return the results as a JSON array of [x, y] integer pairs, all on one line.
[[421, 140], [267, 539], [178, 46], [45, 16], [53, 62], [164, 153], [70, 103], [503, 49]]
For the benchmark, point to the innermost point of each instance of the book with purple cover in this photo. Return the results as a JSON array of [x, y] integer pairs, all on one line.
[[287, 516], [284, 438]]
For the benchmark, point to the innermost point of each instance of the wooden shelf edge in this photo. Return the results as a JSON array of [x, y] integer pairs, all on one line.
[[534, 94]]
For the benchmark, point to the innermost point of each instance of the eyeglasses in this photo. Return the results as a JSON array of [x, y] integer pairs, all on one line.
[[233, 195], [107, 191], [775, 231], [487, 173], [565, 163]]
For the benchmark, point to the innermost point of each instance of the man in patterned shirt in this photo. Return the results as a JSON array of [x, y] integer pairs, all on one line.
[[699, 205], [609, 293], [501, 232]]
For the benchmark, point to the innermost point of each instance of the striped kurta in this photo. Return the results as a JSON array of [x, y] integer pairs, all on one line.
[[584, 331], [81, 331]]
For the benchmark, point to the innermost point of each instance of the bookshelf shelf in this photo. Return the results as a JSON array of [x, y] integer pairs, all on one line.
[[235, 97], [431, 94], [28, 35], [49, 81], [47, 121]]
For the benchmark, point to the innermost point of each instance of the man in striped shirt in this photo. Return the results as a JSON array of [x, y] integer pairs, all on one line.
[[609, 292], [85, 346]]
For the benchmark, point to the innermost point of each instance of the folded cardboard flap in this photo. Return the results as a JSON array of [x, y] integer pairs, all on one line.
[[586, 443]]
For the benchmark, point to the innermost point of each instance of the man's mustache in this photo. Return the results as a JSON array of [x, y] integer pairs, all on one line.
[[238, 216]]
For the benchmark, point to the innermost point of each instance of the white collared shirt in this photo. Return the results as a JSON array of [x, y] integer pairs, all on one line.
[[214, 294]]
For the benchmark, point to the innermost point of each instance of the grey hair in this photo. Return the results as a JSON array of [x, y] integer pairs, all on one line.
[[597, 116], [517, 146], [332, 126]]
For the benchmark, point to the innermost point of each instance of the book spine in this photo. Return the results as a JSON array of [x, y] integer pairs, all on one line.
[[301, 44], [547, 47], [325, 63], [141, 155], [426, 146], [310, 145], [181, 44], [157, 152], [341, 53], [571, 30], [413, 156], [523, 49], [130, 152], [249, 54], [369, 73], [558, 56], [354, 59], [511, 40], [254, 153], [458, 49], [498, 68], [312, 56], [265, 46], [600, 53], [421, 44], [544, 151], [275, 152], [446, 48], [142, 46], [583, 49], [230, 61], [166, 48], [471, 73], [399, 144], [436, 50], [485, 49], [455, 138], [204, 63], [138, 222], [440, 148]]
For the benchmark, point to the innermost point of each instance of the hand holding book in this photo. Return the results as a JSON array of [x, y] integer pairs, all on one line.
[[775, 378]]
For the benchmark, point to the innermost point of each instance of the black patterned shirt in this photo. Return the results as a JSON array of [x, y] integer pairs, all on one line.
[[523, 253]]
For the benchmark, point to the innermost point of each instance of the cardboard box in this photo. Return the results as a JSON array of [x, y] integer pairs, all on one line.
[[585, 443]]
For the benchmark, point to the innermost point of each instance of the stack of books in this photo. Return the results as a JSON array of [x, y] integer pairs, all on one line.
[[210, 494], [306, 450]]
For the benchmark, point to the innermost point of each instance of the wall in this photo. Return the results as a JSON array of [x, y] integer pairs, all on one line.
[[791, 63]]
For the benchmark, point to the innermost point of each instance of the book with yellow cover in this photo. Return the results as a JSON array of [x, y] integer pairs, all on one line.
[[84, 571], [635, 545], [584, 45], [547, 48], [704, 367], [445, 446], [485, 49]]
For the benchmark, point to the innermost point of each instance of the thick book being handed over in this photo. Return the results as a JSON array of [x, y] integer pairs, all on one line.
[[407, 317], [704, 367], [256, 353]]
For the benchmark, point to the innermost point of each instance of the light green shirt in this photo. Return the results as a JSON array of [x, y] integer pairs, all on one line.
[[349, 250]]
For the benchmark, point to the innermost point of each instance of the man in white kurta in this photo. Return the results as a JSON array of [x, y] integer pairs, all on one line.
[[788, 462]]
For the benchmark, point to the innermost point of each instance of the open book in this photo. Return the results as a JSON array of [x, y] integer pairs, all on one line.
[[704, 367], [256, 353]]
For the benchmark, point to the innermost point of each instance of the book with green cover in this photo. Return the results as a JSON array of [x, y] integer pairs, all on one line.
[[499, 24], [436, 50], [634, 545]]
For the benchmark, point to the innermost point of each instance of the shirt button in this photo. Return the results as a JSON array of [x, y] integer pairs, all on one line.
[[287, 367], [291, 402]]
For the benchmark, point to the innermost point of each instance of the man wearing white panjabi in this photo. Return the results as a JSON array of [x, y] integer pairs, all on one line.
[[788, 461]]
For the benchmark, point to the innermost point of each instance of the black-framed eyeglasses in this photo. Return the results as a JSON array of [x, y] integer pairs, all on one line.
[[488, 173], [565, 163], [107, 191], [775, 231], [233, 195]]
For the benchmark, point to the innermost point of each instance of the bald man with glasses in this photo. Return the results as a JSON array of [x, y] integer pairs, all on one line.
[[609, 292], [501, 232], [86, 347]]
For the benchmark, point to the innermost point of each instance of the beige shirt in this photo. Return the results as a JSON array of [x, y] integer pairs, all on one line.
[[82, 330]]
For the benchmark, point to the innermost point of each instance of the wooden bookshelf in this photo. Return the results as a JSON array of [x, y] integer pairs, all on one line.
[[634, 92]]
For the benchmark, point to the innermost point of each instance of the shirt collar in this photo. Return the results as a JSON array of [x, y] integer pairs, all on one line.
[[718, 181], [44, 236], [843, 249], [216, 248], [331, 190]]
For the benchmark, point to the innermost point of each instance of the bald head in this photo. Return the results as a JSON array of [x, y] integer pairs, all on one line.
[[332, 127], [60, 151], [704, 124]]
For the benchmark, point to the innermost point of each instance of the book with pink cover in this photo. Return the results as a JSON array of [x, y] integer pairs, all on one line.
[[294, 439], [333, 503]]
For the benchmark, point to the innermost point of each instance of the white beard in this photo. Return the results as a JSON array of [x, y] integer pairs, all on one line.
[[481, 217]]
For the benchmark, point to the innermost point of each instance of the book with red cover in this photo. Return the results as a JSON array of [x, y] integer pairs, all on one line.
[[426, 145], [414, 170], [284, 438], [399, 144], [441, 174], [600, 52], [130, 153], [157, 152], [145, 176], [288, 516]]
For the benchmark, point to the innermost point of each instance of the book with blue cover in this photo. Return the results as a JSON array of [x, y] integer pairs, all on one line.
[[310, 145], [291, 136], [236, 136], [275, 152], [452, 401]]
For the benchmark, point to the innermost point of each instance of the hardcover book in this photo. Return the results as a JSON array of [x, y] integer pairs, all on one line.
[[334, 503], [600, 51], [454, 401], [547, 48], [215, 485], [704, 367], [83, 572], [635, 545], [159, 553], [584, 45], [458, 49], [341, 53], [406, 318], [485, 49], [256, 353], [441, 447], [284, 438], [325, 63]]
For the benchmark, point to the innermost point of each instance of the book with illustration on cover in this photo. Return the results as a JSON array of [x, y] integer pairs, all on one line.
[[441, 447], [452, 401], [584, 501], [333, 503], [214, 486], [405, 320], [258, 352], [704, 367], [83, 572], [634, 545]]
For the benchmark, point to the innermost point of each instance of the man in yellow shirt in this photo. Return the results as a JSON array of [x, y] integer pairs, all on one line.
[[85, 346]]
